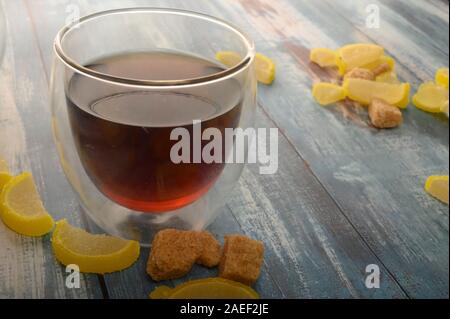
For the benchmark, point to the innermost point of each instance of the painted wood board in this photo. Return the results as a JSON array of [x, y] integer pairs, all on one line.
[[27, 266], [285, 30], [338, 141]]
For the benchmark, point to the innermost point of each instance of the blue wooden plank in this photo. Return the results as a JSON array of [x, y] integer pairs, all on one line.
[[338, 140], [418, 20], [441, 5], [27, 266]]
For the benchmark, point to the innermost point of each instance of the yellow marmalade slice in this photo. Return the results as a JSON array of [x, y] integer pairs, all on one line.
[[364, 91], [328, 93], [437, 186], [431, 97], [21, 208], [209, 288], [98, 254], [323, 57], [357, 55]]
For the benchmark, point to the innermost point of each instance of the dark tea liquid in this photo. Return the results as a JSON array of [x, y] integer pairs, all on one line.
[[122, 135]]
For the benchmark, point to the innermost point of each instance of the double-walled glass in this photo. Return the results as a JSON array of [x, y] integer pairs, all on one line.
[[115, 134]]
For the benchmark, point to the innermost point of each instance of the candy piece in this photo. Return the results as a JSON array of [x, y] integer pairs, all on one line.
[[437, 186], [323, 57], [384, 115], [360, 73], [265, 69], [242, 259], [208, 288], [5, 176], [382, 68], [388, 77], [328, 93], [382, 61], [99, 254], [442, 77], [21, 208], [431, 97], [357, 55], [161, 292], [365, 92], [229, 58]]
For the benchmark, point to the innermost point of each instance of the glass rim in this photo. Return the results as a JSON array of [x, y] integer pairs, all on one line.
[[219, 76]]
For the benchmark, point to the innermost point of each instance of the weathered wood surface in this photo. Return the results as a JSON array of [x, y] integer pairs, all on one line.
[[27, 266], [346, 195]]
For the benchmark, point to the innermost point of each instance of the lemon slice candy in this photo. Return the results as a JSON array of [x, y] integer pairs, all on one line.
[[328, 93], [437, 186], [98, 254], [210, 288], [5, 177], [228, 58], [22, 210], [364, 91], [388, 77], [358, 55], [323, 57], [431, 97], [442, 77], [383, 60], [264, 67]]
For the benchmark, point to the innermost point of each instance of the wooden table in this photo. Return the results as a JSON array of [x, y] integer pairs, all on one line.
[[346, 195]]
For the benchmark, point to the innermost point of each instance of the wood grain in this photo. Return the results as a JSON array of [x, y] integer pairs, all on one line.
[[376, 177], [415, 41], [419, 20], [27, 266], [345, 196]]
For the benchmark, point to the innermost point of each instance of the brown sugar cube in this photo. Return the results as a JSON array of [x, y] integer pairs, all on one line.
[[359, 73], [242, 259], [211, 250], [173, 254], [384, 115], [382, 68]]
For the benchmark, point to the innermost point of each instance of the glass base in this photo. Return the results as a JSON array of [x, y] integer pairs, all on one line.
[[120, 221]]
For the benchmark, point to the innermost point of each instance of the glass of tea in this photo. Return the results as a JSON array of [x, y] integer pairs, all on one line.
[[145, 118]]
